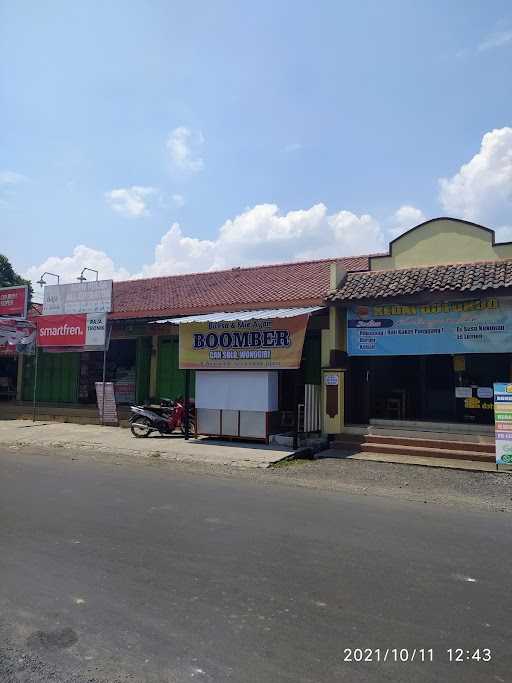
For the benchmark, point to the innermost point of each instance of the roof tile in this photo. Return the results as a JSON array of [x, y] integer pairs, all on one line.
[[465, 277], [285, 284]]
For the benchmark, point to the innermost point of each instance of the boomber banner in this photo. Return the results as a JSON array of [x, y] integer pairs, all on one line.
[[262, 344], [469, 326]]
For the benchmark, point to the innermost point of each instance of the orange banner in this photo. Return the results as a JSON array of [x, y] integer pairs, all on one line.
[[274, 343]]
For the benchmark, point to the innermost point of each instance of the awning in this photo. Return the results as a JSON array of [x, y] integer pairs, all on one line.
[[243, 315]]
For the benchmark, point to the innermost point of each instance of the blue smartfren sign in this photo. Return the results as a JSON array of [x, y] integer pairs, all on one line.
[[475, 326]]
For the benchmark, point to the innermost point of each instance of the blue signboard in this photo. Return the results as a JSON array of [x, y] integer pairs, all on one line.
[[470, 326]]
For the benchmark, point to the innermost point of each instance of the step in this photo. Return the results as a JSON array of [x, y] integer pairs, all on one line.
[[416, 450], [426, 426], [411, 433], [428, 443]]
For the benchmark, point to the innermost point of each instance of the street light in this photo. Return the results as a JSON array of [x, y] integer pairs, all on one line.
[[81, 277], [42, 281]]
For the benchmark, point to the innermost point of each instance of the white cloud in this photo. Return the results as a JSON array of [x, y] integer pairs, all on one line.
[[178, 200], [405, 218], [293, 147], [481, 190], [11, 178], [262, 234], [176, 253], [184, 146], [130, 201], [495, 40], [69, 267]]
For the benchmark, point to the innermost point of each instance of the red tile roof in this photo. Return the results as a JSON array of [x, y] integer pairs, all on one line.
[[303, 283], [454, 277]]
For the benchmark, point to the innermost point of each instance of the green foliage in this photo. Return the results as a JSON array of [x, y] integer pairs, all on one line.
[[9, 278]]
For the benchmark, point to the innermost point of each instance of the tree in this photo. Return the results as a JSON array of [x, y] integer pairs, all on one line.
[[9, 278]]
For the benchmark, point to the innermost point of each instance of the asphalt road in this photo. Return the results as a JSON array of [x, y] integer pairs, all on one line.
[[151, 573]]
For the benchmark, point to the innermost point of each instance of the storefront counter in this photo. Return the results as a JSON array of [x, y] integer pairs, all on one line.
[[236, 404]]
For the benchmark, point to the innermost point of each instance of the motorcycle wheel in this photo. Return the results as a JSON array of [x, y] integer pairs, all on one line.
[[192, 430], [141, 428]]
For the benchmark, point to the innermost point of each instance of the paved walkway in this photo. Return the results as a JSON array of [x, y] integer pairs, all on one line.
[[23, 433]]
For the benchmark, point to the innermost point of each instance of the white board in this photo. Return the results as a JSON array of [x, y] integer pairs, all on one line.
[[237, 390]]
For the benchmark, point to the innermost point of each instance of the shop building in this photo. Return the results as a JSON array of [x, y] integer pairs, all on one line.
[[417, 334], [427, 330], [143, 357]]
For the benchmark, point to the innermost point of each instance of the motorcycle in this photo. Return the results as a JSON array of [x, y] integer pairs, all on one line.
[[164, 418]]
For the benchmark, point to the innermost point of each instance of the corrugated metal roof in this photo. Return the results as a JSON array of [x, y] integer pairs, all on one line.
[[243, 315]]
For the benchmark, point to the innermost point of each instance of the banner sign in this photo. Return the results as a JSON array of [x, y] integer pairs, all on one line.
[[14, 301], [262, 344], [16, 336], [80, 297], [106, 403], [78, 330], [469, 326], [503, 423]]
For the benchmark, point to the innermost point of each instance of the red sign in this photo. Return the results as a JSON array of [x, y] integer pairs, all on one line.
[[62, 330], [13, 301]]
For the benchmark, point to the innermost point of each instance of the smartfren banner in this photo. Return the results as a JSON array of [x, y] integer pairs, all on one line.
[[470, 326], [261, 344], [81, 330]]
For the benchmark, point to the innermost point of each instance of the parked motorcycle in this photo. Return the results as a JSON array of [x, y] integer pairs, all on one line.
[[164, 418]]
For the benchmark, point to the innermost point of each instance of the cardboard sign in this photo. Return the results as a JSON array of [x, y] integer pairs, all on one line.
[[80, 297], [13, 301], [71, 330], [261, 344]]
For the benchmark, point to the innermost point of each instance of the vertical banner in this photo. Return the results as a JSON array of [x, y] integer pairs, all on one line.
[[503, 423], [106, 403]]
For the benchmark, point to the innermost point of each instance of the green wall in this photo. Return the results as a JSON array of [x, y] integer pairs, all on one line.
[[57, 377], [170, 380]]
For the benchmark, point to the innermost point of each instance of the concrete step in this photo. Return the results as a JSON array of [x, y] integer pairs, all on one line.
[[426, 426], [396, 449], [418, 442]]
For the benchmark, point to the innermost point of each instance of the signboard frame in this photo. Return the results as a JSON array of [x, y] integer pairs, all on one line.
[[78, 297]]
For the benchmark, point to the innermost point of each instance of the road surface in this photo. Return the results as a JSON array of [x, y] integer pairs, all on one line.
[[149, 572]]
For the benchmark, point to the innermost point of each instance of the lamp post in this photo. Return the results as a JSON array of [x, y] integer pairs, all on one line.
[[42, 281], [82, 278]]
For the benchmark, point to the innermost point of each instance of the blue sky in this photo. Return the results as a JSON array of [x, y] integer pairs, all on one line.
[[147, 138]]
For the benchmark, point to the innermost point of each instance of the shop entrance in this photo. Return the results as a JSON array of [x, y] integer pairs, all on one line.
[[442, 388], [121, 369], [8, 376]]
